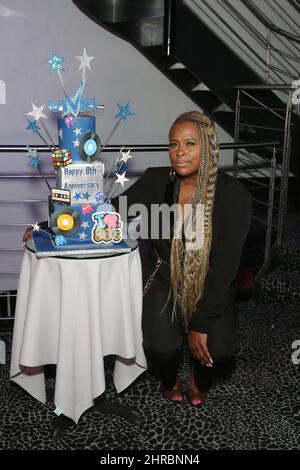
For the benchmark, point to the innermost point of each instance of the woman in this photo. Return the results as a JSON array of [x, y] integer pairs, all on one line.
[[192, 290], [190, 286]]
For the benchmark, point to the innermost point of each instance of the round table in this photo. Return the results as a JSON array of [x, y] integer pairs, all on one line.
[[72, 312]]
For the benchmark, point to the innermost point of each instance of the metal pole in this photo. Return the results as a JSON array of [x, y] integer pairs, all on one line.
[[298, 105], [270, 208], [167, 34], [285, 168], [268, 58], [8, 304], [236, 134]]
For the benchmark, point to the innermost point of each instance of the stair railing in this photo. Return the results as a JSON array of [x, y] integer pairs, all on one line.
[[248, 93], [286, 57]]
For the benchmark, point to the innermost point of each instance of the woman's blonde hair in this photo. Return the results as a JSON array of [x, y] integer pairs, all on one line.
[[189, 267]]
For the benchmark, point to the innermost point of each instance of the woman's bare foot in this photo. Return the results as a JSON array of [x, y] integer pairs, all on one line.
[[195, 396], [175, 394]]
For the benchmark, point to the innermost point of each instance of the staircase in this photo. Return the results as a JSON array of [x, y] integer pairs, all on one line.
[[191, 55]]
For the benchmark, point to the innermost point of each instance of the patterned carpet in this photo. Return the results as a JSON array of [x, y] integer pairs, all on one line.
[[256, 407]]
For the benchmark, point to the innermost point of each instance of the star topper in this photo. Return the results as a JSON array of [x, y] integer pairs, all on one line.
[[121, 179], [33, 156], [37, 112], [32, 125], [56, 62], [84, 61], [125, 156], [124, 111]]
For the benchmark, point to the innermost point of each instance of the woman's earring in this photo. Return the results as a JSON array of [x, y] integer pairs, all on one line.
[[172, 174]]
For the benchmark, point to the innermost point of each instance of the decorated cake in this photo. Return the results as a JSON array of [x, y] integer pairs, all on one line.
[[81, 218]]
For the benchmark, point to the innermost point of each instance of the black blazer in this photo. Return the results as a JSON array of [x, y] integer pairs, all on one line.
[[231, 220]]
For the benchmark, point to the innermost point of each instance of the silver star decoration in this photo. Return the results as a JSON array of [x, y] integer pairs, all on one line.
[[125, 156], [36, 227], [121, 179], [60, 133], [37, 112], [82, 236], [77, 131], [84, 225], [76, 143], [84, 61]]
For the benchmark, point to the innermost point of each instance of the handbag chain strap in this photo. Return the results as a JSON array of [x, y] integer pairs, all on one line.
[[152, 276]]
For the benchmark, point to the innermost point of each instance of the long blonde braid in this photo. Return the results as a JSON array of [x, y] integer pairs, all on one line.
[[189, 267]]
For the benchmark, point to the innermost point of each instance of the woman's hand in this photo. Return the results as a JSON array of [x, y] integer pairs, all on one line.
[[27, 235], [198, 347]]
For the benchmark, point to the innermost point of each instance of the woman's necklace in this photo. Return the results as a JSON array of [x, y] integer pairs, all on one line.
[[186, 195]]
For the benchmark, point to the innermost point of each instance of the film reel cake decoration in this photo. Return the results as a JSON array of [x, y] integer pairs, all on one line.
[[80, 213]]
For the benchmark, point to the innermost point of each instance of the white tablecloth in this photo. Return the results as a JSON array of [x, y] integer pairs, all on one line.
[[72, 312]]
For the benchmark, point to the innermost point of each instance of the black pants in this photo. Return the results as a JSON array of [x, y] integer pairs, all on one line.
[[163, 339]]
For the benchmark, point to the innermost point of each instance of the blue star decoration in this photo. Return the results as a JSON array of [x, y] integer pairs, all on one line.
[[32, 126], [56, 62], [77, 196], [86, 195], [34, 158], [124, 112]]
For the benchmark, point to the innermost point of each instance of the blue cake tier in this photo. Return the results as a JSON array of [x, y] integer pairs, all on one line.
[[69, 137], [44, 246]]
